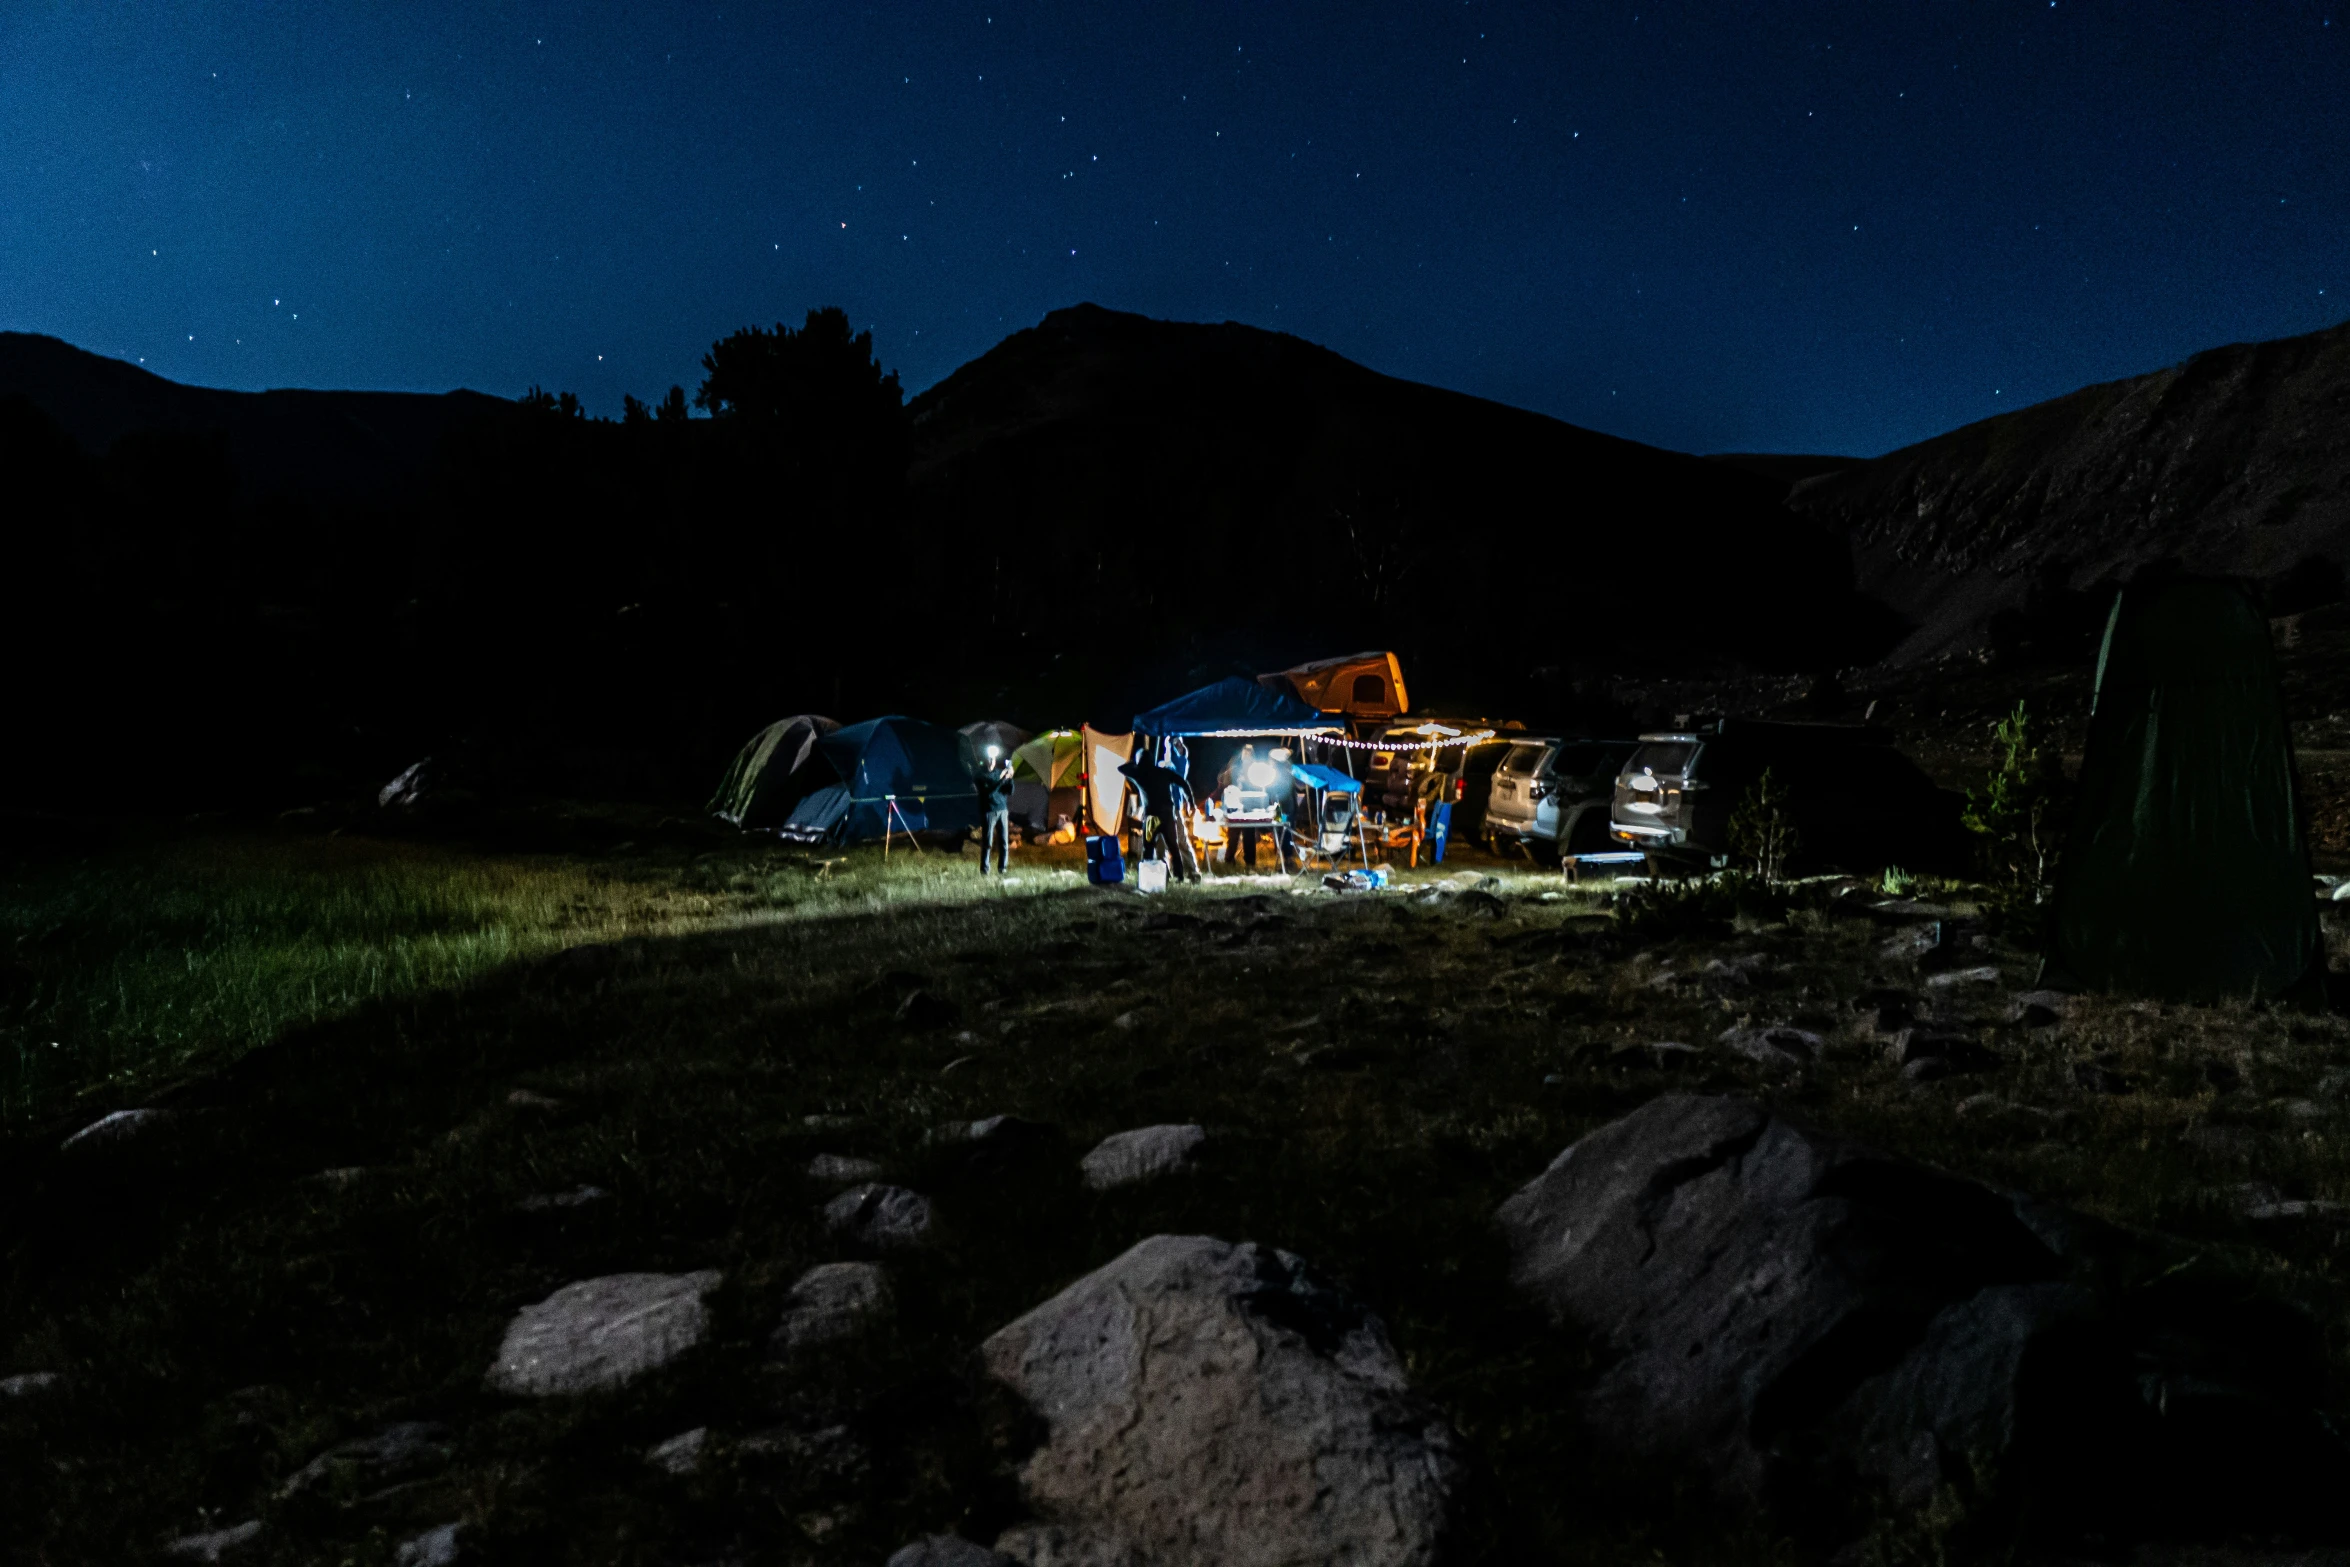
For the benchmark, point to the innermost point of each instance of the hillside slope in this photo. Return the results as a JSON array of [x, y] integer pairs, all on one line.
[[1220, 474], [2235, 462], [352, 446]]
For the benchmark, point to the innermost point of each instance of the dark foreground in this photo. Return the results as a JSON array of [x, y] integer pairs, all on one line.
[[330, 1234]]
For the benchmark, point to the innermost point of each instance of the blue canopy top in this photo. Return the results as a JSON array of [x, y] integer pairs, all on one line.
[[1322, 777], [1231, 705]]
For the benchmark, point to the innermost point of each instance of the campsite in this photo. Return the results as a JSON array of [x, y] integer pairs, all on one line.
[[441, 1062], [1489, 785]]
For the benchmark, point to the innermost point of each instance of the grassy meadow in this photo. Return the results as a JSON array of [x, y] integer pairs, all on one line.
[[377, 1052]]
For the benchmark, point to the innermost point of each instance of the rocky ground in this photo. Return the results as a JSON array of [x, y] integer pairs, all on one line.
[[1229, 1225]]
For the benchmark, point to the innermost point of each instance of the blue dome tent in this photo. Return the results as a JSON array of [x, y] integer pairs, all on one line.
[[925, 767]]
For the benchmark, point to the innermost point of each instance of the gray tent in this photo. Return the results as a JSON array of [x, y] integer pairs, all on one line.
[[774, 772], [2185, 875]]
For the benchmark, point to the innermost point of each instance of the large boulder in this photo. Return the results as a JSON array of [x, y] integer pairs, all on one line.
[[1217, 1403], [1833, 1331]]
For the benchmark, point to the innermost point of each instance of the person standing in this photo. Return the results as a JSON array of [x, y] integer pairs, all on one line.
[[994, 784], [1164, 793]]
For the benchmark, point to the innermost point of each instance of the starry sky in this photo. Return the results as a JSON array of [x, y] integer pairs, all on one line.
[[1745, 225]]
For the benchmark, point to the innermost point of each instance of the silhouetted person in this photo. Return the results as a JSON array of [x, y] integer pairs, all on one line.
[[1164, 793], [994, 783]]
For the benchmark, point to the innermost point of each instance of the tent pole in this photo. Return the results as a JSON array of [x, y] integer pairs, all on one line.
[[889, 809]]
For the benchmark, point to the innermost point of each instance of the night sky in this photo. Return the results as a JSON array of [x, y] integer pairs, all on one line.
[[1769, 226]]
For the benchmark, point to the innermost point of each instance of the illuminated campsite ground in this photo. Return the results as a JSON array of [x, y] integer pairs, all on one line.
[[1376, 1073]]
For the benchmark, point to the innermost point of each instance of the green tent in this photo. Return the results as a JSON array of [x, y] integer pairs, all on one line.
[[2185, 875], [771, 774]]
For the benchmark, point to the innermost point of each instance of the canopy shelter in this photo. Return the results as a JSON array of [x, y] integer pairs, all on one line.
[[2185, 875], [773, 773], [1232, 706], [1357, 686], [893, 774], [1045, 775]]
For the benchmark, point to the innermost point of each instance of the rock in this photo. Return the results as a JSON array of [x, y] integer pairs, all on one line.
[[681, 1454], [1352, 1056], [923, 1010], [1984, 974], [28, 1384], [1947, 1414], [1662, 1055], [577, 1197], [1779, 1045], [1645, 1231], [1825, 1328], [525, 1099], [113, 1131], [600, 1334], [397, 1452], [1926, 1069], [218, 1545], [2099, 1078], [832, 1123], [1217, 1403], [879, 1216], [837, 1170], [2295, 1208], [433, 1548], [2038, 1008], [1954, 1052], [946, 1550], [831, 1302], [1123, 1158]]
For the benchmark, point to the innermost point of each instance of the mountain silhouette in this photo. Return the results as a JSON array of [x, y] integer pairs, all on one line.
[[1224, 476], [2236, 462], [373, 447]]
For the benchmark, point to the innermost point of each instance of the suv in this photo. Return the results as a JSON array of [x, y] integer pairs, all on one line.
[[1552, 795], [1855, 800]]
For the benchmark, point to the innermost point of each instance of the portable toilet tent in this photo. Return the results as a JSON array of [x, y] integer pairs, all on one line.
[[774, 773], [893, 775], [2185, 875]]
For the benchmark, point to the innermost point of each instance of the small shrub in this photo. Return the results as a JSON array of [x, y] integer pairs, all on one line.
[[1896, 882], [1762, 832], [2014, 813]]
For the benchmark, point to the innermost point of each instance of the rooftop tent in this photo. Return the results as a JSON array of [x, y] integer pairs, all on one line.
[[773, 773], [926, 766], [1360, 685], [1232, 706], [2185, 875]]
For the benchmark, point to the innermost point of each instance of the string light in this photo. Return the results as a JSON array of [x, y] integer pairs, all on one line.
[[1478, 738]]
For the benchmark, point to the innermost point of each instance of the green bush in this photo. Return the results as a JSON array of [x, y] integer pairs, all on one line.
[[1762, 832], [2015, 813]]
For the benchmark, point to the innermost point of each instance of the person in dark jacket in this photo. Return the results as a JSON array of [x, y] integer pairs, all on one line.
[[994, 783], [1164, 794]]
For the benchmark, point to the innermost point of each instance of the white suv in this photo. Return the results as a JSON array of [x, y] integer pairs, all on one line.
[[1552, 795]]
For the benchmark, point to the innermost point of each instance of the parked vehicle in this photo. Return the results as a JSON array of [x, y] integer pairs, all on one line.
[[1855, 802], [1551, 796]]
